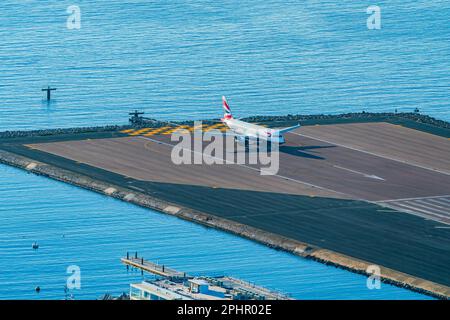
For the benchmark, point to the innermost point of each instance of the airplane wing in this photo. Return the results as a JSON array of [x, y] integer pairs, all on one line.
[[284, 130]]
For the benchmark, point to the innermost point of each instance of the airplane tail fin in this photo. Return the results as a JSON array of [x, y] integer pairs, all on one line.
[[226, 108]]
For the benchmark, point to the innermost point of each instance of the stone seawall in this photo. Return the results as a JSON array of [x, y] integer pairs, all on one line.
[[360, 116], [63, 131], [304, 119], [272, 240]]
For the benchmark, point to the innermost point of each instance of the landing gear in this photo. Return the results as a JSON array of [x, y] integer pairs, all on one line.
[[265, 144], [243, 141], [247, 144]]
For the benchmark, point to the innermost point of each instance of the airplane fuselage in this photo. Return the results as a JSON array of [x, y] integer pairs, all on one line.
[[253, 131]]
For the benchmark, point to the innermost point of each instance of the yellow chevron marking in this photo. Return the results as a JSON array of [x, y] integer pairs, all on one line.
[[169, 130], [127, 131], [156, 131], [184, 127], [179, 128], [141, 131], [200, 126], [190, 129], [214, 126], [172, 130]]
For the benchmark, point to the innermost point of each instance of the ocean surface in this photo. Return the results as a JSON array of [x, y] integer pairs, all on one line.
[[174, 60]]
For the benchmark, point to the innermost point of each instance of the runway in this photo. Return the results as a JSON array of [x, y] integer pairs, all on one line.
[[374, 162], [368, 203], [146, 159], [358, 174]]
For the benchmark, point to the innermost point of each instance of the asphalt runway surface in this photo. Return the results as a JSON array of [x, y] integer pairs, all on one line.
[[335, 167], [358, 174], [339, 164], [148, 160], [367, 223], [389, 141]]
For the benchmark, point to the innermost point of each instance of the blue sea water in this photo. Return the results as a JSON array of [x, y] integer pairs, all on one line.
[[174, 60]]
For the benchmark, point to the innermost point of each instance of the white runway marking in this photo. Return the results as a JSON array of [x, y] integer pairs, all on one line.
[[248, 167], [436, 208], [444, 197], [370, 176], [372, 153]]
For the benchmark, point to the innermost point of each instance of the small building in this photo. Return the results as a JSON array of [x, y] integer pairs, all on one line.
[[170, 284], [200, 288], [155, 291]]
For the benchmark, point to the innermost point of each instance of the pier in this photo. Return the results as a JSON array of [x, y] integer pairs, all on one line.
[[154, 268]]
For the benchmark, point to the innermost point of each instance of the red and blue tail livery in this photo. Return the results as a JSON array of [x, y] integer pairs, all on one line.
[[226, 108]]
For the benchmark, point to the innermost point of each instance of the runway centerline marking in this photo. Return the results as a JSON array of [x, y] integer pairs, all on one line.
[[249, 167], [370, 176], [371, 153]]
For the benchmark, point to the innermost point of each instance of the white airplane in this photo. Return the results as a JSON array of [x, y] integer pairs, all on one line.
[[245, 132]]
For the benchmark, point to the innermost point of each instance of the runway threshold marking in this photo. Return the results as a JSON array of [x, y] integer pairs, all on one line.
[[435, 207], [249, 167], [417, 198], [371, 153], [431, 203], [370, 176], [417, 212]]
